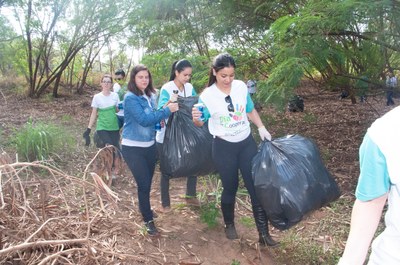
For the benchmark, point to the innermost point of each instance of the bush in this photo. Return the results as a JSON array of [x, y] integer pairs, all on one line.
[[36, 141], [209, 213]]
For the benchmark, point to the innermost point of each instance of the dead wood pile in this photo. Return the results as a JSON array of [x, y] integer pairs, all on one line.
[[49, 217]]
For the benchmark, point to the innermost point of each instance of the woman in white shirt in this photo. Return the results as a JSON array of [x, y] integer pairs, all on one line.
[[178, 85], [228, 108]]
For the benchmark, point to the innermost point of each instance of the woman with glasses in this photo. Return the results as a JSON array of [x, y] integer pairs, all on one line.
[[178, 85], [228, 108], [104, 108], [138, 136]]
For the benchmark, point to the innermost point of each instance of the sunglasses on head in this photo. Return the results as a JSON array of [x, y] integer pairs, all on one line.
[[229, 101]]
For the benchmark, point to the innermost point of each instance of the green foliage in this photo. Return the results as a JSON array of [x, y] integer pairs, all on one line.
[[37, 141], [212, 190], [66, 118], [310, 117], [284, 78], [172, 25], [336, 41], [235, 262], [209, 213], [160, 67], [247, 221], [307, 251]]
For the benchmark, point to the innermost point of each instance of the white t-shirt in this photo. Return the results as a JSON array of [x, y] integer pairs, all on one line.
[[230, 126], [105, 106], [116, 87], [165, 93], [384, 132], [100, 101]]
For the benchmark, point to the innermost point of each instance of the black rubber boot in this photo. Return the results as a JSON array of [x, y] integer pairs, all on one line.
[[230, 231], [262, 226], [228, 212]]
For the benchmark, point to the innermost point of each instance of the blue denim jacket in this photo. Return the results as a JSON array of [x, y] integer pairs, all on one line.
[[140, 118]]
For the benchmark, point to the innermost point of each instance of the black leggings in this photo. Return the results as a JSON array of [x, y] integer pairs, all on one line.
[[229, 158]]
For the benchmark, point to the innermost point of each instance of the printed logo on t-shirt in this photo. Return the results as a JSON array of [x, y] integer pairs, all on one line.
[[234, 119]]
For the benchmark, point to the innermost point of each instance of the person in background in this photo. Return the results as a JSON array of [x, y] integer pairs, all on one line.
[[378, 183], [228, 108], [120, 88], [138, 136], [104, 107], [362, 88], [178, 85], [252, 87], [391, 84]]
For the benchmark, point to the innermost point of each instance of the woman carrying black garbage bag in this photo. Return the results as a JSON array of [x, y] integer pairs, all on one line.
[[228, 108], [178, 85]]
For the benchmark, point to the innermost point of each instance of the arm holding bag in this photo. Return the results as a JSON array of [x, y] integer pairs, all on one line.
[[186, 150], [291, 180]]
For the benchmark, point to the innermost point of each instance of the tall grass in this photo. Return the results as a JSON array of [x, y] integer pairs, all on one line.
[[38, 140]]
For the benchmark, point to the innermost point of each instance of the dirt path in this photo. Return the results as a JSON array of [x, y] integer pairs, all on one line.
[[184, 238]]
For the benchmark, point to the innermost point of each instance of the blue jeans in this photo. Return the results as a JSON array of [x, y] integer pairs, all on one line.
[[142, 161], [389, 97]]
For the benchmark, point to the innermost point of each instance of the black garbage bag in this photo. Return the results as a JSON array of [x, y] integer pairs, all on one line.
[[186, 150], [296, 104], [291, 180]]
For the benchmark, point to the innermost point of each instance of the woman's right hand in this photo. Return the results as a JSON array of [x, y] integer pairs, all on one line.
[[196, 114], [173, 106]]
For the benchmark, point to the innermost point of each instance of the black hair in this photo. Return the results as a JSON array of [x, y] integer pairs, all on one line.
[[220, 61], [120, 72], [179, 66], [132, 84]]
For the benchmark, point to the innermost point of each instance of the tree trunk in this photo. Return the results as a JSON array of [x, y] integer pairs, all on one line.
[[56, 85]]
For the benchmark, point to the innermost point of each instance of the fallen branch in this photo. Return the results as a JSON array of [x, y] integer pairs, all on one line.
[[38, 244]]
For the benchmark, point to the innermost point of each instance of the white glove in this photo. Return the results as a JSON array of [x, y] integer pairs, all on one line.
[[173, 98], [264, 134]]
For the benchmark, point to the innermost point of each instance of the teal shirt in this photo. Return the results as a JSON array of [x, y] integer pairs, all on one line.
[[164, 97], [374, 177]]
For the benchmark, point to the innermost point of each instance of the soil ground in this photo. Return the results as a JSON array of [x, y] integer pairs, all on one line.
[[336, 125]]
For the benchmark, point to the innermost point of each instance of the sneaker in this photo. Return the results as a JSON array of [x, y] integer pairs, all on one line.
[[151, 228], [230, 231]]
